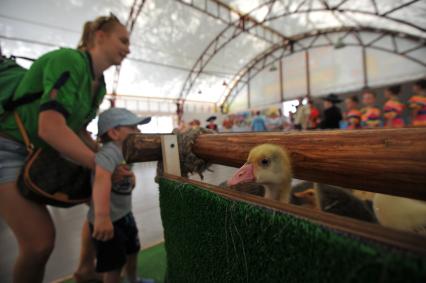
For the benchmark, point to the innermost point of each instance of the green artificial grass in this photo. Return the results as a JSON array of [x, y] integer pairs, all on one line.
[[151, 264], [210, 238]]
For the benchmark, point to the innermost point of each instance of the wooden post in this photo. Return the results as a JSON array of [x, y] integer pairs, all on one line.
[[364, 66], [281, 80], [170, 152], [391, 161], [308, 73]]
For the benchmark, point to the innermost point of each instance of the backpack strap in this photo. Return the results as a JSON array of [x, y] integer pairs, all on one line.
[[12, 105]]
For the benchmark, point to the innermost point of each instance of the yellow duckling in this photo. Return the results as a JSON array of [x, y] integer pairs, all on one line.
[[268, 165]]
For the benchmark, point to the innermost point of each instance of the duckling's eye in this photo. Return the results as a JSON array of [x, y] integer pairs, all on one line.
[[265, 162]]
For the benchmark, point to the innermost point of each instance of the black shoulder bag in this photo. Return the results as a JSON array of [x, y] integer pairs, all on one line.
[[49, 178]]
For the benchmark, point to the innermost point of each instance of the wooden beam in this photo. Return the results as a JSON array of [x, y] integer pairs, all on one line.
[[391, 161], [142, 148]]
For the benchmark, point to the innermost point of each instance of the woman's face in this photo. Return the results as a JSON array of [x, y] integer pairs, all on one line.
[[115, 44]]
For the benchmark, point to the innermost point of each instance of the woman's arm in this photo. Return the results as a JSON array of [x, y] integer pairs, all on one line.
[[52, 128], [87, 139], [103, 228]]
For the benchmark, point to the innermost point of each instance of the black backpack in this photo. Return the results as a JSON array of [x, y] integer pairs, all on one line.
[[11, 74]]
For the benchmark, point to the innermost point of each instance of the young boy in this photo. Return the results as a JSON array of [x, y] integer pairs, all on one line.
[[353, 114], [370, 113], [393, 108], [110, 217], [417, 103]]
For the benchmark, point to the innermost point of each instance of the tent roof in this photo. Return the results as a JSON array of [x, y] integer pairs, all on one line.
[[206, 50]]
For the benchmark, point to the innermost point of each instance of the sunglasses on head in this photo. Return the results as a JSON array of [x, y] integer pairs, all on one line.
[[102, 21]]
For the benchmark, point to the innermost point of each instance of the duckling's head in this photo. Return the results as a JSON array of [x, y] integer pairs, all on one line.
[[267, 164]]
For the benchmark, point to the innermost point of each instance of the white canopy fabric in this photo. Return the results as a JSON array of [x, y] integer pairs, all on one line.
[[218, 51]]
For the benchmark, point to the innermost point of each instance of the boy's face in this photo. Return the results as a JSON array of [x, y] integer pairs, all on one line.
[[122, 132]]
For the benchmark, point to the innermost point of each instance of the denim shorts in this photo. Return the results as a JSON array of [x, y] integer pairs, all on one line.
[[12, 159], [112, 254]]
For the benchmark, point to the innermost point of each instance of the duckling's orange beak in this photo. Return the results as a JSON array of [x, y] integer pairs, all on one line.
[[244, 175]]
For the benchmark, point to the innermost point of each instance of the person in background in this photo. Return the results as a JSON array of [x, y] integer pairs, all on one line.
[[274, 121], [182, 127], [331, 114], [228, 123], [195, 124], [417, 103], [353, 114], [72, 86], [393, 108], [211, 123], [301, 118], [113, 227], [370, 117], [291, 118], [258, 123], [314, 115]]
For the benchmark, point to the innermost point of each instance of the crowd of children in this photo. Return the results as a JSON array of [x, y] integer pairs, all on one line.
[[391, 114], [365, 114], [358, 113]]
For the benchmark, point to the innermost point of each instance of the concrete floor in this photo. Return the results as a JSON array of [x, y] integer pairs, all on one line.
[[69, 221]]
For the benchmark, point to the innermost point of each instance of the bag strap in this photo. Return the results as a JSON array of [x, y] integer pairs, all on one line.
[[29, 146]]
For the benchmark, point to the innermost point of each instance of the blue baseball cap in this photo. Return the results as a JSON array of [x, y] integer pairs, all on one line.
[[115, 117]]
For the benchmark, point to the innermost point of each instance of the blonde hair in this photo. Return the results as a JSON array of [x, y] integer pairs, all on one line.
[[103, 23]]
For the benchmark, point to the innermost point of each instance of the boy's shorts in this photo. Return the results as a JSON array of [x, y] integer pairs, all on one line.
[[12, 159], [111, 255]]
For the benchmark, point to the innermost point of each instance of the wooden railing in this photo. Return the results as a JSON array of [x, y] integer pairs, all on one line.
[[391, 161]]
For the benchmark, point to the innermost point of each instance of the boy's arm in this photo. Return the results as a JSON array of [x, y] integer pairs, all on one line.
[[103, 229]]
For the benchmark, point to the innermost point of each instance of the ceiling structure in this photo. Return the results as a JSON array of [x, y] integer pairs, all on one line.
[[235, 53]]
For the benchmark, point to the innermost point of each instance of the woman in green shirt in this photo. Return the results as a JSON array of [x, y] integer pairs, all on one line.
[[72, 86]]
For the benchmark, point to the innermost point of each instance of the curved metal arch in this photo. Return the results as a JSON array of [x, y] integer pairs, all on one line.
[[263, 59], [134, 12], [336, 8], [234, 28], [240, 25]]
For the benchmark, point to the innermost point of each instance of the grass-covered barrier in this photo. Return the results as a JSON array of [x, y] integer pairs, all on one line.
[[213, 239]]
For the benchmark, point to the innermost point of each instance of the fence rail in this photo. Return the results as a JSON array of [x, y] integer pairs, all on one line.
[[391, 161]]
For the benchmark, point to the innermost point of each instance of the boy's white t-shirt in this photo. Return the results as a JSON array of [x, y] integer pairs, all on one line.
[[109, 157]]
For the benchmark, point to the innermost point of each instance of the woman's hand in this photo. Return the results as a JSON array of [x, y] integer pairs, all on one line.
[[103, 230], [123, 172]]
